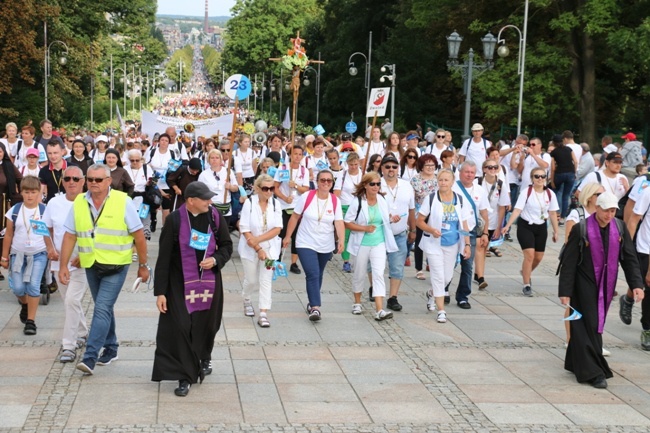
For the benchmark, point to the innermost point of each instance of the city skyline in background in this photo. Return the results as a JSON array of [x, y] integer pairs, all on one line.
[[195, 7]]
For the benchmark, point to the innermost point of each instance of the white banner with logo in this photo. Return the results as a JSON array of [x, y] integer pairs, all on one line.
[[152, 123]]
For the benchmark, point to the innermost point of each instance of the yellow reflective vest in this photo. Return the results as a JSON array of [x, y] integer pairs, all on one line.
[[109, 242]]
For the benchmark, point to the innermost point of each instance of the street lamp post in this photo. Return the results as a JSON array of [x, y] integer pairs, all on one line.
[[180, 77], [112, 87], [392, 77], [467, 68], [306, 82], [503, 51], [62, 60], [354, 71]]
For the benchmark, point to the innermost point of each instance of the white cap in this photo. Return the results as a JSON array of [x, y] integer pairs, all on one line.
[[101, 138], [477, 127], [607, 200]]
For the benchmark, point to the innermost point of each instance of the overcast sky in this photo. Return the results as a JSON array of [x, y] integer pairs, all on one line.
[[195, 7]]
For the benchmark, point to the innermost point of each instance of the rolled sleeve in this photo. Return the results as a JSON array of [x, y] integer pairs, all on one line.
[[131, 217]]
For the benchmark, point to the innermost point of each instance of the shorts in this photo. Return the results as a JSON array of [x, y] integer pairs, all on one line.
[[532, 235], [32, 287], [167, 202]]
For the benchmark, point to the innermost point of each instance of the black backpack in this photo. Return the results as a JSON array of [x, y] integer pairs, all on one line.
[[623, 201], [152, 195]]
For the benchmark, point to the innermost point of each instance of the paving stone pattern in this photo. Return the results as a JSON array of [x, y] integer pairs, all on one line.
[[496, 367]]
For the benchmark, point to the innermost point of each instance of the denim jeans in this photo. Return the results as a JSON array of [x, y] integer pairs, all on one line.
[[466, 270], [514, 193], [33, 286], [396, 259], [563, 187], [102, 328], [313, 263]]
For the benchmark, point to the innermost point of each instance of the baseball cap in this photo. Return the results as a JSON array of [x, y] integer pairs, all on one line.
[[629, 136], [477, 127], [389, 158], [557, 138], [412, 136], [607, 200], [32, 152], [346, 136], [101, 138], [611, 156], [198, 190], [347, 146], [310, 138]]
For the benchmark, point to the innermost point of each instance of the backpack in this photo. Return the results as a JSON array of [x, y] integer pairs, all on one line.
[[250, 197], [530, 191], [584, 241], [310, 197], [20, 144], [583, 228], [623, 201], [469, 143], [497, 185], [19, 205], [152, 195], [153, 152]]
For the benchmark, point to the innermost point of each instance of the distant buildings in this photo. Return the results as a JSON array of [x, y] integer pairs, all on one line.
[[186, 30]]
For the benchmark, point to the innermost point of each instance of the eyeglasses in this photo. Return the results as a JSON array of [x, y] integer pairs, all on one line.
[[96, 179], [225, 150], [597, 194], [267, 188], [392, 167], [374, 183], [326, 180], [411, 157], [539, 176], [72, 178], [429, 165], [440, 136], [491, 167], [531, 144], [135, 160]]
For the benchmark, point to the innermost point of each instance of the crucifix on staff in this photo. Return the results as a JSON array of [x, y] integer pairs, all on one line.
[[296, 61]]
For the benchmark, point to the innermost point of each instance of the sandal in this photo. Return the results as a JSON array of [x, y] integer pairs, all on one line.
[[68, 355], [420, 275], [263, 322], [496, 252], [488, 253]]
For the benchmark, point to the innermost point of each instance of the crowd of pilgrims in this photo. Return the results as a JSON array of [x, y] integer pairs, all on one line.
[[372, 200]]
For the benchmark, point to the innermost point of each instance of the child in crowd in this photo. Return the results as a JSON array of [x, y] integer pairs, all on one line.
[[25, 253]]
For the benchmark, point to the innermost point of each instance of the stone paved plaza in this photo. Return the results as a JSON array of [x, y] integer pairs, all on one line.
[[496, 367]]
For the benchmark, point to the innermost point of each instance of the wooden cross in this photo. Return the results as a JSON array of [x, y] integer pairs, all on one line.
[[297, 50]]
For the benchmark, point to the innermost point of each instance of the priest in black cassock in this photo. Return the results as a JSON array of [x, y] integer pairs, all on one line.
[[587, 283], [195, 245]]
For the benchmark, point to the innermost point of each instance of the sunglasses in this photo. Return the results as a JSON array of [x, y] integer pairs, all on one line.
[[72, 178], [411, 157], [440, 136], [135, 160], [539, 176], [491, 167], [225, 150], [392, 167], [374, 183], [96, 179], [267, 188], [598, 194], [326, 180]]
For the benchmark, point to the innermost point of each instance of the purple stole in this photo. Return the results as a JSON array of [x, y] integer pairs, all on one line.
[[604, 269], [199, 286]]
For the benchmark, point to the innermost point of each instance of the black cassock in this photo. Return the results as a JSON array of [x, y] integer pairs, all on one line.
[[184, 339], [584, 355]]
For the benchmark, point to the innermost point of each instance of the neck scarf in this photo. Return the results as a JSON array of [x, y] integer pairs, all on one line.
[[199, 285], [605, 268]]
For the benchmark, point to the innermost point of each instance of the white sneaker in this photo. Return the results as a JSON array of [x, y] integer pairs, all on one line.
[[248, 309], [431, 302], [383, 315], [606, 352], [356, 308], [442, 317]]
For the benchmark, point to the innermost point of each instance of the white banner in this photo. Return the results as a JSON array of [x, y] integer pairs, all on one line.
[[152, 123], [378, 101]]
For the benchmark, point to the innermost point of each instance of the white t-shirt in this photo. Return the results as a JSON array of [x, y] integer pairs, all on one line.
[[639, 184], [498, 198], [643, 232], [252, 221], [476, 153], [55, 214], [316, 229], [615, 185], [375, 147], [138, 178], [409, 173], [218, 186], [512, 174], [11, 147], [576, 149], [347, 183], [26, 171], [299, 175], [537, 205], [319, 163], [479, 196], [400, 200], [160, 162], [435, 151], [24, 240], [529, 164], [575, 216], [244, 162], [97, 156]]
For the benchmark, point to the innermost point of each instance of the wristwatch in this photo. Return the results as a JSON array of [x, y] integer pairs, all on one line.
[[143, 265]]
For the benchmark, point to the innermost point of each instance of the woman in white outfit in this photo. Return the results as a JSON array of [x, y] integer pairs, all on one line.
[[370, 239], [260, 224], [443, 221]]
